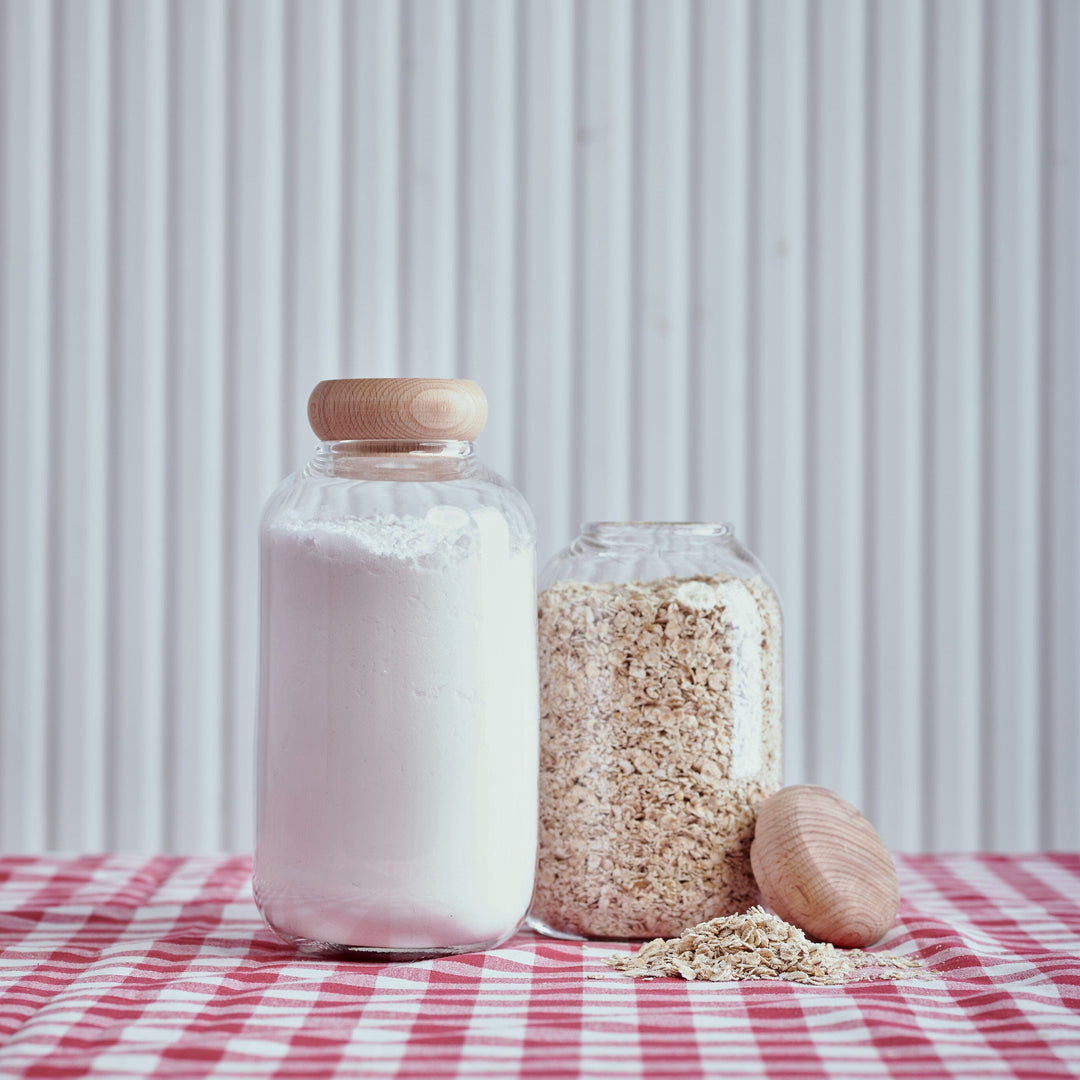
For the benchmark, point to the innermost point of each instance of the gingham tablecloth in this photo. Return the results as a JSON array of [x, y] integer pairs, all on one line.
[[115, 966]]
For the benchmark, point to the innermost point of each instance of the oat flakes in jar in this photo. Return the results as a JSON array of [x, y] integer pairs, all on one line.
[[661, 691]]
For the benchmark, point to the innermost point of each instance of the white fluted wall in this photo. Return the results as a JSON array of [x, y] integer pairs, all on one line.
[[812, 267]]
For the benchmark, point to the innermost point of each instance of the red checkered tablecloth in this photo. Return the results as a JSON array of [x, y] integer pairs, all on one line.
[[113, 966]]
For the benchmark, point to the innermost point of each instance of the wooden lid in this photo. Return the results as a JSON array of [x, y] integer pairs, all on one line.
[[409, 409], [821, 866]]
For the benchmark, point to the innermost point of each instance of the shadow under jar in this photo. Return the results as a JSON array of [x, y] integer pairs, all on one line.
[[660, 728]]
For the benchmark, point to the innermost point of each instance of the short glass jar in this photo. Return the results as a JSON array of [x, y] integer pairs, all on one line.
[[660, 728], [398, 708]]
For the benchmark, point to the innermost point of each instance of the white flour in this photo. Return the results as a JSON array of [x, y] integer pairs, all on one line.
[[399, 745]]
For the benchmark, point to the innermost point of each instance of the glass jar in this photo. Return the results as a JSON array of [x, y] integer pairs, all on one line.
[[398, 706], [660, 729]]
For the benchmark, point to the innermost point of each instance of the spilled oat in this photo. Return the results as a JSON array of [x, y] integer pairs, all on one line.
[[759, 945]]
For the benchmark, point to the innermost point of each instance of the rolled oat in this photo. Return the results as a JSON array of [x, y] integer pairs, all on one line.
[[758, 945], [660, 735]]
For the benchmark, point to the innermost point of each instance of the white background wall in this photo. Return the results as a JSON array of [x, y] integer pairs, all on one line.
[[809, 267]]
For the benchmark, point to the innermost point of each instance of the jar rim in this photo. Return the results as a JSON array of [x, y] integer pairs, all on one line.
[[451, 448], [712, 529]]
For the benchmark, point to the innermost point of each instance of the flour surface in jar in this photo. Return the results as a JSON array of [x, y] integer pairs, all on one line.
[[660, 735]]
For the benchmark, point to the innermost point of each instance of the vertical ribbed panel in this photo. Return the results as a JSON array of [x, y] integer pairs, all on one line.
[[663, 72], [429, 165], [371, 188], [254, 371], [312, 223], [76, 447], [1011, 401], [953, 374], [1059, 425], [892, 445], [720, 233], [811, 268], [195, 449], [26, 308], [486, 103], [834, 540], [545, 138], [136, 509], [601, 285], [776, 357]]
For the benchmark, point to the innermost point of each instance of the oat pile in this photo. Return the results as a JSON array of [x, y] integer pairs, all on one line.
[[758, 945], [660, 735]]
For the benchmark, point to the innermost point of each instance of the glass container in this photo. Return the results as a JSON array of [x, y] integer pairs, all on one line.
[[398, 707], [661, 692]]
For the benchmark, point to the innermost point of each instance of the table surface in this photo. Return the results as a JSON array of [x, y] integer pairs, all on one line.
[[120, 965]]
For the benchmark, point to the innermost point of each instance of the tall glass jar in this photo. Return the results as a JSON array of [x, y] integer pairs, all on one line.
[[660, 687], [398, 706]]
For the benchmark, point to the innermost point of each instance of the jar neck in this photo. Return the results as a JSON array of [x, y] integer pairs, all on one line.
[[392, 459], [615, 536]]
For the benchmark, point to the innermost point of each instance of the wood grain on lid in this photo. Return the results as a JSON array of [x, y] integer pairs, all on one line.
[[411, 409], [821, 866]]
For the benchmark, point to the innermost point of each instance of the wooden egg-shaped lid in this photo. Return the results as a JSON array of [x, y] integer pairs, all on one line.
[[399, 409], [821, 866]]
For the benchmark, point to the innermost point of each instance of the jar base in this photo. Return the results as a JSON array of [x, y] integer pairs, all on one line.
[[374, 954], [541, 927]]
